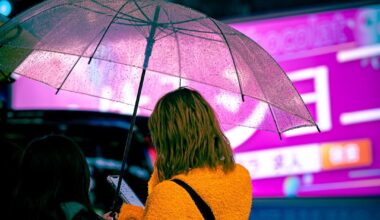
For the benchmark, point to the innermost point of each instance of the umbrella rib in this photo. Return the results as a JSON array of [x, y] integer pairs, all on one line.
[[130, 24], [136, 10], [146, 22], [121, 13], [275, 121], [134, 19], [195, 19], [161, 24], [141, 11], [204, 38], [178, 48], [105, 32], [67, 76], [205, 32], [177, 29], [125, 14], [184, 21], [140, 22], [167, 34], [232, 57], [149, 23], [165, 29], [91, 10], [76, 62]]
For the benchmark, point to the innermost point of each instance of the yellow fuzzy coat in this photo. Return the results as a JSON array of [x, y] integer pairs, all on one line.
[[228, 195]]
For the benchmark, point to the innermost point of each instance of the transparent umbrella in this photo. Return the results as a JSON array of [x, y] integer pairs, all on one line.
[[128, 51]]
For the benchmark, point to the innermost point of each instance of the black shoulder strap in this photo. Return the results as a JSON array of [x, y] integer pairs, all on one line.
[[202, 205]]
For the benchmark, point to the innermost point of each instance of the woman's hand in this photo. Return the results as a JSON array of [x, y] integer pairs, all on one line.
[[108, 216]]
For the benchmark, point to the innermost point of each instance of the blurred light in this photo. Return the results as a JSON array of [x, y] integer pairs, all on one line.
[[358, 53], [5, 7], [360, 116], [291, 186], [364, 173]]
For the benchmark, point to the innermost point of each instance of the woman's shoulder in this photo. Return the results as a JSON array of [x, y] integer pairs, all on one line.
[[169, 191], [240, 169], [166, 197], [166, 186]]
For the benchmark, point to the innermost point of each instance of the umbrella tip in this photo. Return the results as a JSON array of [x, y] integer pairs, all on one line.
[[11, 80], [6, 77], [56, 92], [319, 130], [7, 81], [279, 134]]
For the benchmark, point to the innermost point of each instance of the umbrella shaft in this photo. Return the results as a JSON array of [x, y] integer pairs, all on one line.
[[148, 52], [150, 40], [128, 143]]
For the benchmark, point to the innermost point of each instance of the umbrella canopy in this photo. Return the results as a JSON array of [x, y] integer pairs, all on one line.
[[13, 55], [103, 48]]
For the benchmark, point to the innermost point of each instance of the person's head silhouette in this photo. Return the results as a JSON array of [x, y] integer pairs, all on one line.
[[54, 181]]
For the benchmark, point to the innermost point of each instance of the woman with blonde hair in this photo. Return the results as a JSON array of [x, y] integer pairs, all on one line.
[[195, 176]]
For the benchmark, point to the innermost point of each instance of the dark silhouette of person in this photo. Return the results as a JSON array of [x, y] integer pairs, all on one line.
[[54, 182]]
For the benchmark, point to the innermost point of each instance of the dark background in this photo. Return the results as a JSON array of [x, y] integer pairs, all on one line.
[[232, 9], [101, 136]]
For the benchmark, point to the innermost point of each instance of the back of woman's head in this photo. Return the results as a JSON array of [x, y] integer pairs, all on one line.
[[53, 171], [187, 134]]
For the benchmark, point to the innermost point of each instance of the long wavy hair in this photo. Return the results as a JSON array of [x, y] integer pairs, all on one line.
[[53, 171], [187, 135]]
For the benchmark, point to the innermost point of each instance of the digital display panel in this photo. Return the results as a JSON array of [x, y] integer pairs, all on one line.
[[333, 60]]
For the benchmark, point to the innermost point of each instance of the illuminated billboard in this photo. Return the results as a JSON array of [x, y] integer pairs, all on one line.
[[333, 60]]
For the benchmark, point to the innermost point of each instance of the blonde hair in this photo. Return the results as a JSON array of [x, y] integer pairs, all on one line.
[[187, 135]]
